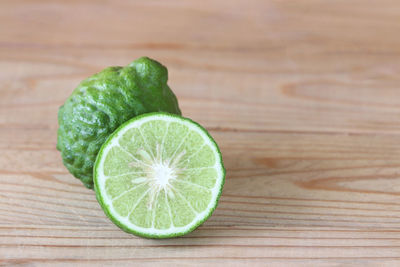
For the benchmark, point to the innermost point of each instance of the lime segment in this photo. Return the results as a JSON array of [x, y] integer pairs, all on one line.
[[159, 175]]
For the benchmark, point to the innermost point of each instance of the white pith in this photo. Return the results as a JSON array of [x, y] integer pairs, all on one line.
[[162, 174], [159, 174]]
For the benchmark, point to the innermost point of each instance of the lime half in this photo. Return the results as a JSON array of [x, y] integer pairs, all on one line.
[[159, 175]]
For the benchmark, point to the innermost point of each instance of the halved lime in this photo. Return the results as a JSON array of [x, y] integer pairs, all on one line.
[[159, 175]]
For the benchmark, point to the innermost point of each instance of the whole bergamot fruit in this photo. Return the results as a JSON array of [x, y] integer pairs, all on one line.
[[103, 102]]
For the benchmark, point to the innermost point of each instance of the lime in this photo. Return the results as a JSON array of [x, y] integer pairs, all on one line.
[[101, 103], [159, 175]]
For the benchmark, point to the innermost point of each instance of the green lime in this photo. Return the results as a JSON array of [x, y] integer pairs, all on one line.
[[159, 175], [101, 103]]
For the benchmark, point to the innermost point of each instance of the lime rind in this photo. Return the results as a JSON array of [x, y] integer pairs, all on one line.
[[199, 213], [104, 101]]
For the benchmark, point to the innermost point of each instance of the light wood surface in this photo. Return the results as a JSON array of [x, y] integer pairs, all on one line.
[[303, 98]]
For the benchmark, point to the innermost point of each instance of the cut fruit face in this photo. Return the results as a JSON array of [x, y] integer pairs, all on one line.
[[159, 175]]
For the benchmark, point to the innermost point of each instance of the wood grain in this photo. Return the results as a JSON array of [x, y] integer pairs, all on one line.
[[302, 97]]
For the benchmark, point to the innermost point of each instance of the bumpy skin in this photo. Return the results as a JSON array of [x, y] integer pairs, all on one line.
[[103, 102]]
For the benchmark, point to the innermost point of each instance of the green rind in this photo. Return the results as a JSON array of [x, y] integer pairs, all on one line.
[[103, 102], [145, 235]]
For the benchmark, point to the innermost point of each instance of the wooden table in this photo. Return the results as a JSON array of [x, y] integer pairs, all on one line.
[[303, 98]]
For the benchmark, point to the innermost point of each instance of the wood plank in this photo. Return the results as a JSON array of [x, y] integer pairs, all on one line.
[[302, 98]]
